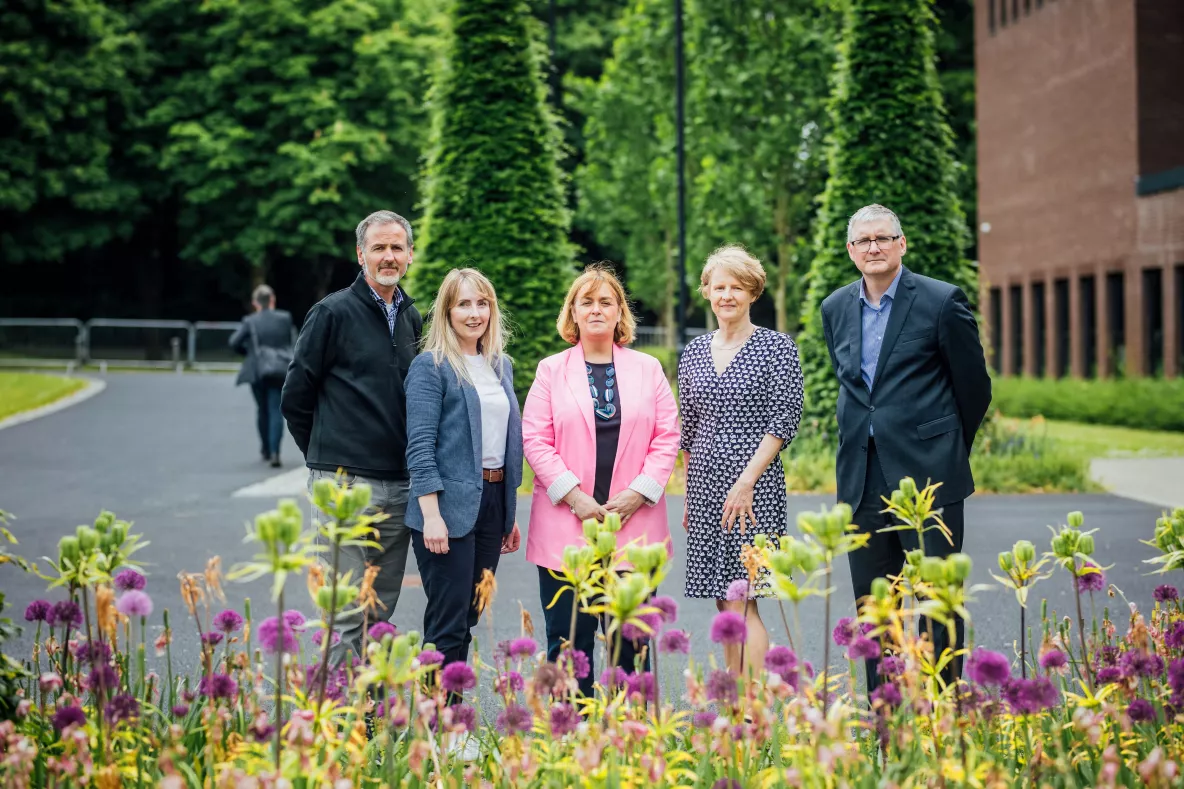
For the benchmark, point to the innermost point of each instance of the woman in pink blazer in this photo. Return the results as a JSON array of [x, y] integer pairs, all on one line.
[[600, 429]]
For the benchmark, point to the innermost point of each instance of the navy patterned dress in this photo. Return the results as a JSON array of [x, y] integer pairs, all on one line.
[[724, 419]]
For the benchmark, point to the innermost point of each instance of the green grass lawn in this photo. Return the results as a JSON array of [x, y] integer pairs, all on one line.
[[1097, 441], [22, 391]]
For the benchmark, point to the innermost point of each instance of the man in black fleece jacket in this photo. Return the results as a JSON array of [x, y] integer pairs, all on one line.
[[344, 404]]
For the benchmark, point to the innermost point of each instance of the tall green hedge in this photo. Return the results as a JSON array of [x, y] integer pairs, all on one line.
[[1147, 403], [494, 190], [891, 144]]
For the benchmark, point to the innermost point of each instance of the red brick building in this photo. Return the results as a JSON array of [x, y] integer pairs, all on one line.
[[1081, 185]]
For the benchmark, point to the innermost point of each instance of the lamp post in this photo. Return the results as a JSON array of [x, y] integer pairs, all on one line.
[[680, 156]]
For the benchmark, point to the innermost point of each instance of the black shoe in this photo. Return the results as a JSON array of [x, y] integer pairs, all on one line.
[[275, 461], [266, 457]]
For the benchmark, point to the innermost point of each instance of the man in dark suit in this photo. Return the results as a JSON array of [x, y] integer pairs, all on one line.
[[913, 390], [267, 327]]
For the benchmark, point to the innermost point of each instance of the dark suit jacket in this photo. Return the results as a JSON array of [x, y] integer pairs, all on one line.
[[929, 396], [273, 327]]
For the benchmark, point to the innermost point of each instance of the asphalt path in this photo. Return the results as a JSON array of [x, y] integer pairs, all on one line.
[[168, 451]]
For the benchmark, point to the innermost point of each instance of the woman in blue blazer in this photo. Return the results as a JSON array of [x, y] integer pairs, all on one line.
[[464, 452]]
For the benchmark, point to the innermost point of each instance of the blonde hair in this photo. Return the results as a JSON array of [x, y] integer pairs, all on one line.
[[595, 275], [734, 259], [440, 339]]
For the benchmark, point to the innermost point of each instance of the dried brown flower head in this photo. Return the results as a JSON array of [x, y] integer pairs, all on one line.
[[486, 589], [213, 579]]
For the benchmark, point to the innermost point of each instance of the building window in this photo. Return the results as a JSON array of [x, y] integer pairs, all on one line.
[[1039, 330], [1016, 296], [1116, 318], [1088, 297], [1062, 330], [997, 329], [1153, 321]]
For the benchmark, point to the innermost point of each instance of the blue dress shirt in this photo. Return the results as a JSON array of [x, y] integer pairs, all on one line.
[[390, 310], [875, 323]]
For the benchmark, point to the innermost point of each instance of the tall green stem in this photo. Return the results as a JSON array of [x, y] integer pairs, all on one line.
[[1023, 645], [1089, 674], [328, 640], [279, 679], [826, 640], [168, 652]]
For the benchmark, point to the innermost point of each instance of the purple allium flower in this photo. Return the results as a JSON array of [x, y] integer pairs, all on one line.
[[464, 717], [318, 638], [891, 666], [781, 660], [727, 783], [1029, 696], [667, 608], [522, 648], [430, 657], [102, 676], [1137, 663], [613, 677], [1108, 655], [632, 632], [737, 590], [129, 580], [564, 719], [514, 719], [1165, 593], [579, 663], [66, 612], [273, 640], [721, 686], [180, 711], [1173, 636], [864, 648], [704, 719], [294, 618], [38, 611], [988, 668], [641, 682], [510, 682], [218, 686], [1094, 581], [1108, 675], [380, 630], [91, 652], [1140, 711], [211, 639], [728, 627], [68, 716], [457, 677], [844, 632], [228, 621], [1176, 675], [122, 708], [1053, 659], [262, 730], [675, 641], [888, 694], [134, 603]]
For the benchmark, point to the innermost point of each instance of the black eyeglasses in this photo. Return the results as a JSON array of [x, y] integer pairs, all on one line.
[[864, 244]]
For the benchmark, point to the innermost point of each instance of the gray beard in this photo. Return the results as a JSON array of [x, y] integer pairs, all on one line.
[[387, 280]]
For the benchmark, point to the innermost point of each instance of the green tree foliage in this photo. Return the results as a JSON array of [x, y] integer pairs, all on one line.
[[628, 182], [890, 144], [68, 84], [760, 83], [494, 191]]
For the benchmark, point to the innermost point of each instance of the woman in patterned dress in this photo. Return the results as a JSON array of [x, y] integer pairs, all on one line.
[[741, 394]]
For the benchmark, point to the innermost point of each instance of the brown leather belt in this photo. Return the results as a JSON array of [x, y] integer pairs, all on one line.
[[493, 474]]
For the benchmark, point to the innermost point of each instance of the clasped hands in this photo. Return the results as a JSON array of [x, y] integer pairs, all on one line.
[[584, 506]]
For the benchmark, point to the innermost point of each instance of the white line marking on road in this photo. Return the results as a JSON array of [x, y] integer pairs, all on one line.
[[92, 388], [288, 483]]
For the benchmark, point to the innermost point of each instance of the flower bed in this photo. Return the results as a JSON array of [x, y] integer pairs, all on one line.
[[1097, 704]]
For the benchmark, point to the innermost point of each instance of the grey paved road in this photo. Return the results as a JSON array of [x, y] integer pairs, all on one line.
[[167, 452]]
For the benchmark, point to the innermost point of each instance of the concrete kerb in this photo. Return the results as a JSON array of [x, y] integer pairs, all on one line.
[[93, 387]]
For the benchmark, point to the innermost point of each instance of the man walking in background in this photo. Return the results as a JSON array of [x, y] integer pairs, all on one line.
[[343, 399], [913, 390], [265, 336]]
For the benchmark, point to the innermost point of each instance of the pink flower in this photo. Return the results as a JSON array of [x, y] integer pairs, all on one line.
[[675, 641], [273, 640], [737, 590], [380, 630], [134, 603], [228, 622], [458, 677], [988, 668], [728, 627]]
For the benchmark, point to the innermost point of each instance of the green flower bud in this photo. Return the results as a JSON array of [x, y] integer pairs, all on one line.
[[361, 496], [1024, 551], [933, 570], [1086, 544], [104, 521], [782, 564], [119, 532], [835, 527], [760, 541], [323, 492], [960, 566], [843, 511], [1060, 544], [288, 508], [612, 522], [810, 522], [1006, 561], [1178, 527], [811, 558], [288, 530], [68, 550], [266, 527], [591, 529], [571, 558], [898, 499], [1076, 519], [88, 539], [914, 557], [881, 589], [606, 543], [908, 487], [346, 594]]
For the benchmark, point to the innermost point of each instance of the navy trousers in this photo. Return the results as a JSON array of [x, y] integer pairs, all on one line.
[[269, 420], [884, 555]]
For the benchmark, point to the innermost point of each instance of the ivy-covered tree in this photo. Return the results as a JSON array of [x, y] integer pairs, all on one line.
[[890, 144], [494, 191]]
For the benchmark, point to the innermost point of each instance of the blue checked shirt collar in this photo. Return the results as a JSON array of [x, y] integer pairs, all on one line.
[[889, 294], [391, 311]]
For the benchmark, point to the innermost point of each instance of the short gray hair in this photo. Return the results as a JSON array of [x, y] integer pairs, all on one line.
[[382, 218], [263, 296], [870, 213]]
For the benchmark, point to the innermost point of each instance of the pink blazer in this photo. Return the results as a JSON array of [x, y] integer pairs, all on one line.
[[559, 442]]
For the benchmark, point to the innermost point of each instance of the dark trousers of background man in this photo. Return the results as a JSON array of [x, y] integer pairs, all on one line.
[[558, 620], [268, 417], [884, 555], [450, 579]]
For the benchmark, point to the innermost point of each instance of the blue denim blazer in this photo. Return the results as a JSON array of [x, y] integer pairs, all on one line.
[[444, 444]]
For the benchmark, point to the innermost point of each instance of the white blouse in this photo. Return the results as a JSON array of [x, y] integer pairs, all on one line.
[[495, 412]]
